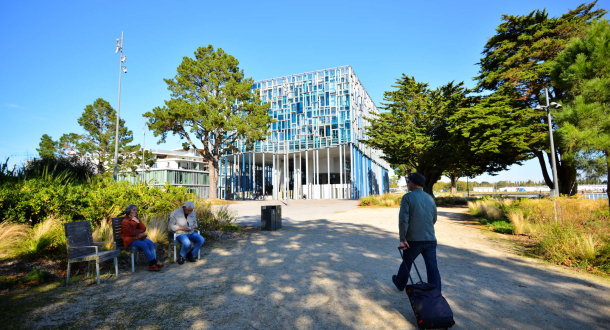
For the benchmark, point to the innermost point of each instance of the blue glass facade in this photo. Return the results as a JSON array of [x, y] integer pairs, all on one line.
[[319, 120]]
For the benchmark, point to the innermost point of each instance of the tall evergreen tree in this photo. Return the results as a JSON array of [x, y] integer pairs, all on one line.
[[47, 148], [99, 122], [212, 106], [583, 70], [519, 59]]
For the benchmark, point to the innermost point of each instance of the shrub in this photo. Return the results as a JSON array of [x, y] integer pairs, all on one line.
[[454, 200], [369, 201], [214, 217], [503, 227], [387, 200], [12, 237], [79, 169], [38, 276]]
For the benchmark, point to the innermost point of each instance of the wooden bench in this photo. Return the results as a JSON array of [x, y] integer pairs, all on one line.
[[80, 245], [120, 245]]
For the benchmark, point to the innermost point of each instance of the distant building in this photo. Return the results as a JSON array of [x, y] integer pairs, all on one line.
[[483, 189], [177, 167]]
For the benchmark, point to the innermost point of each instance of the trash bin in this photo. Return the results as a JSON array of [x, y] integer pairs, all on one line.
[[271, 217]]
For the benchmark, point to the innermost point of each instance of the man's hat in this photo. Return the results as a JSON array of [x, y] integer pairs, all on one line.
[[417, 178]]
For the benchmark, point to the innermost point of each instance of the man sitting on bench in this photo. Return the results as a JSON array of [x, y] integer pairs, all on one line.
[[183, 222]]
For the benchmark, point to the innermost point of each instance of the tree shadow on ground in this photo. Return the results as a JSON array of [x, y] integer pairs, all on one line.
[[325, 274]]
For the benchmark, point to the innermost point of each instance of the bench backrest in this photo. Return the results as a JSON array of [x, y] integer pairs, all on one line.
[[78, 234], [116, 232]]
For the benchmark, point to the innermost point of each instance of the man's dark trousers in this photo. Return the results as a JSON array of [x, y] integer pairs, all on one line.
[[428, 250]]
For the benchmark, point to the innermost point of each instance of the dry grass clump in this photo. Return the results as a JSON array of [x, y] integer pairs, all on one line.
[[156, 227], [490, 211], [46, 235], [104, 233], [12, 237], [516, 218]]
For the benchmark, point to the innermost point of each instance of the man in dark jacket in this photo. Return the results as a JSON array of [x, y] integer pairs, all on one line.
[[416, 227]]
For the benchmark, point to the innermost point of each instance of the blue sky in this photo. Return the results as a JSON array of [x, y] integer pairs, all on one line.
[[57, 57]]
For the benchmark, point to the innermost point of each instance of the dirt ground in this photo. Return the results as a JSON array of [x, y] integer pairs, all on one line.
[[330, 273]]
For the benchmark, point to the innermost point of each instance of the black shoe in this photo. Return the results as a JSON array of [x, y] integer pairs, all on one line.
[[394, 281], [190, 258], [180, 260]]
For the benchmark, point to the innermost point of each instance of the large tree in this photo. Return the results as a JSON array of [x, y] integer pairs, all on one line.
[[583, 70], [445, 132], [520, 58], [213, 107], [47, 147], [99, 122]]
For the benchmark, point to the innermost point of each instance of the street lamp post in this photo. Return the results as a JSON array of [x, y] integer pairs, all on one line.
[[548, 108], [143, 146], [122, 68]]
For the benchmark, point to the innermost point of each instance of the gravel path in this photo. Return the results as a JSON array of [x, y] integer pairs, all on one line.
[[334, 273]]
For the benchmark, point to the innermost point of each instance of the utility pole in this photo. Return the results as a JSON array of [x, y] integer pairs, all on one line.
[[122, 68]]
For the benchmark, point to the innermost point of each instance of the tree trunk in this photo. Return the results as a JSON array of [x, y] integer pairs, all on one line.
[[566, 174], [213, 172], [453, 177]]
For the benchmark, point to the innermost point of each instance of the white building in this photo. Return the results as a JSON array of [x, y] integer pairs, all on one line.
[[177, 167]]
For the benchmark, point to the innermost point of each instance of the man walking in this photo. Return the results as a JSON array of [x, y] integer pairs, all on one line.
[[416, 227]]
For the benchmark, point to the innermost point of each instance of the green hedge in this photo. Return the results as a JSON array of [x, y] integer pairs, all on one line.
[[97, 199]]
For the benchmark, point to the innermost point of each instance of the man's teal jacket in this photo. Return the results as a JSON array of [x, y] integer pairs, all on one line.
[[417, 217]]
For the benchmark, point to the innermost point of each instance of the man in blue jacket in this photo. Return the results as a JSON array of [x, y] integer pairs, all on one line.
[[416, 227]]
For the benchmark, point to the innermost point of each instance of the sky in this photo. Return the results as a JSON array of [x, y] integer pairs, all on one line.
[[58, 57]]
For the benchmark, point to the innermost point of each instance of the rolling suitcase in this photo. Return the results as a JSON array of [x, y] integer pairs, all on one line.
[[430, 307]]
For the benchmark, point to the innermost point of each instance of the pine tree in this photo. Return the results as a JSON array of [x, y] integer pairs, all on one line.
[[517, 63], [212, 106], [583, 70]]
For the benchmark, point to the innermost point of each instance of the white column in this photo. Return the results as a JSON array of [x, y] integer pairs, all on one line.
[[295, 188], [286, 188], [341, 170], [307, 174], [263, 174], [300, 174], [351, 171], [318, 173], [328, 170], [273, 196]]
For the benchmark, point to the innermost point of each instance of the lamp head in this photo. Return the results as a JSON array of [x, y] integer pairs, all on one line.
[[556, 105], [539, 107]]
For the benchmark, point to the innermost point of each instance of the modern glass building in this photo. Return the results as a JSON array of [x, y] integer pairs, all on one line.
[[313, 150]]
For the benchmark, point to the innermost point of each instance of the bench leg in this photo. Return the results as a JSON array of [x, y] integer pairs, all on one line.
[[88, 268], [175, 259], [133, 266], [116, 266], [97, 269], [68, 275]]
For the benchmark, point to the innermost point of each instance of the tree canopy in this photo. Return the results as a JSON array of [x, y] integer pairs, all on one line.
[[99, 122], [583, 69], [212, 106], [517, 63]]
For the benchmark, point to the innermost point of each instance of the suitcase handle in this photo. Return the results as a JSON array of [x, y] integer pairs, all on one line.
[[412, 263]]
